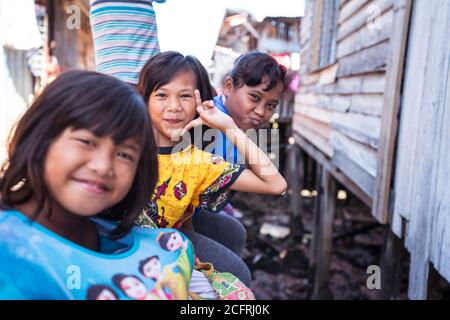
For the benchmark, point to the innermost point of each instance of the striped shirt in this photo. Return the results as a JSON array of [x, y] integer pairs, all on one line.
[[125, 36]]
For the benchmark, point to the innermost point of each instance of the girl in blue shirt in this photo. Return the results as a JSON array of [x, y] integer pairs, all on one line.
[[84, 149]]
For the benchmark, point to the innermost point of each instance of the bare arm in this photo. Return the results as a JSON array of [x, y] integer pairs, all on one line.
[[263, 176]]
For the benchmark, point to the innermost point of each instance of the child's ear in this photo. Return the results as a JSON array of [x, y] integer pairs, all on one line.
[[228, 85]]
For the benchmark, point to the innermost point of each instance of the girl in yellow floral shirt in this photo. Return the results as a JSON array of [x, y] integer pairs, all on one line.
[[174, 87]]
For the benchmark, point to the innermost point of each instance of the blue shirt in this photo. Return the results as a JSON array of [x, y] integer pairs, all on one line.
[[37, 263], [222, 146]]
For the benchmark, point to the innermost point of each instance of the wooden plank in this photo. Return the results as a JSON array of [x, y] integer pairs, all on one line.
[[324, 236], [350, 8], [365, 37], [372, 59], [317, 140], [363, 128], [368, 104], [362, 155], [359, 20], [389, 122], [319, 114], [367, 83], [353, 171], [325, 161], [320, 128]]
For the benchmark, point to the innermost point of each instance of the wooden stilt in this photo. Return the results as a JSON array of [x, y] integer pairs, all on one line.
[[391, 266], [314, 245], [296, 183], [324, 235]]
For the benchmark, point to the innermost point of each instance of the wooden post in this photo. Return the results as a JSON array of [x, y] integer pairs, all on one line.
[[391, 266], [296, 168], [323, 235], [389, 119], [314, 246]]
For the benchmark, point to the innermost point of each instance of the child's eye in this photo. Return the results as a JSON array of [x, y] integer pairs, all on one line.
[[255, 98], [271, 107], [86, 142], [186, 96], [125, 156], [161, 95]]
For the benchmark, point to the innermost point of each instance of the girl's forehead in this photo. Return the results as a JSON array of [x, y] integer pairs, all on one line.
[[185, 78]]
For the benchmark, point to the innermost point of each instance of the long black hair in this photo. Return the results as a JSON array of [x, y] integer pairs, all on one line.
[[81, 100]]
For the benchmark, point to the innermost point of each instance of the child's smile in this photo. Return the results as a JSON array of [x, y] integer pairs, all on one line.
[[94, 187]]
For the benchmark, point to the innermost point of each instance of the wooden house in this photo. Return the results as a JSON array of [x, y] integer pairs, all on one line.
[[373, 112]]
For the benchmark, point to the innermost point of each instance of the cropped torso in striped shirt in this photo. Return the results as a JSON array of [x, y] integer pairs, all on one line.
[[125, 36]]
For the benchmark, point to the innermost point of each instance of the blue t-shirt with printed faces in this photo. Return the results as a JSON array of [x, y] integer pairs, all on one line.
[[37, 263]]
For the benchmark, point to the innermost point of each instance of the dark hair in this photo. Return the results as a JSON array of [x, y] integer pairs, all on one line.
[[164, 239], [82, 100], [163, 67], [117, 279], [95, 290], [252, 68], [143, 262]]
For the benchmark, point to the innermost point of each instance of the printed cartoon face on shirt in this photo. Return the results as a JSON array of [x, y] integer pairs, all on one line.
[[179, 190], [131, 286], [172, 241], [151, 267], [101, 292]]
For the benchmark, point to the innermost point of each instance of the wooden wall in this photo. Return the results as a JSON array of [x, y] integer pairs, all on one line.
[[338, 109], [422, 168]]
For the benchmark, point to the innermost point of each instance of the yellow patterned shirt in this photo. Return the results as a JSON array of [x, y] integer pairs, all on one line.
[[189, 179]]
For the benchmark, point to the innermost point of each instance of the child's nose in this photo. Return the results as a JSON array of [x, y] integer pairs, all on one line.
[[102, 164], [260, 109], [174, 105]]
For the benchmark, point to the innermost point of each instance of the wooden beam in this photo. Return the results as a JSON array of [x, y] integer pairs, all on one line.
[[389, 128], [325, 161]]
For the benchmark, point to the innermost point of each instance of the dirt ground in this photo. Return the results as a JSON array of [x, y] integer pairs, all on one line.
[[280, 266]]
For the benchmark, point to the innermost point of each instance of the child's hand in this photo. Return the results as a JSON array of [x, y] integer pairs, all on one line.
[[210, 116]]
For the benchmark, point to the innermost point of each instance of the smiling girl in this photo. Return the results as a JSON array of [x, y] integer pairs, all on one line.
[[84, 149], [174, 87]]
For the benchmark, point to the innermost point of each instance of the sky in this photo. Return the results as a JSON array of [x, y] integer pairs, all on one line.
[[192, 26]]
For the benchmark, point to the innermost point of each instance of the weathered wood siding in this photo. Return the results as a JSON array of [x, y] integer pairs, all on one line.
[[422, 169], [338, 108]]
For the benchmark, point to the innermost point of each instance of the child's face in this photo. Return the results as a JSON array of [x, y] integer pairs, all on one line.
[[133, 288], [175, 242], [152, 269], [251, 107], [86, 174], [172, 107]]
